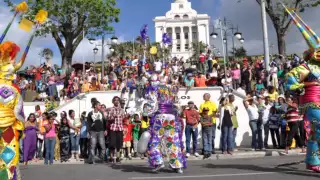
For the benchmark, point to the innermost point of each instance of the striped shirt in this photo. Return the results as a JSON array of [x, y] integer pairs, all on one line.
[[292, 115]]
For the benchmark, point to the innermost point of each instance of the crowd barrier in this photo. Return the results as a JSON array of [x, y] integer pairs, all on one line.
[[83, 103]]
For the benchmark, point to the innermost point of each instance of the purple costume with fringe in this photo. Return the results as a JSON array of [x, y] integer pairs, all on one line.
[[165, 128]]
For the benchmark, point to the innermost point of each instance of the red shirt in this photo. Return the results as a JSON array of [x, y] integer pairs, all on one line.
[[123, 62], [127, 132], [192, 116], [202, 58]]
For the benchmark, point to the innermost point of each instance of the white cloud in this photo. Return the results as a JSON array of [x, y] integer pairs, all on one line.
[[247, 15]]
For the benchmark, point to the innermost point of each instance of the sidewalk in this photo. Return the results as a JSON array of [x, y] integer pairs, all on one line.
[[242, 153]]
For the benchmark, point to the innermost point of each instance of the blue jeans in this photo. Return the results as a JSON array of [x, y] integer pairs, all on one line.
[[214, 127], [52, 89], [207, 139], [227, 143], [234, 135], [210, 66], [21, 150], [256, 134], [194, 132], [75, 143], [49, 143], [38, 85]]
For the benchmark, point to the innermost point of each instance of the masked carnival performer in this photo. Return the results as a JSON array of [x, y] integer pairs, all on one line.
[[306, 80], [11, 102], [164, 136]]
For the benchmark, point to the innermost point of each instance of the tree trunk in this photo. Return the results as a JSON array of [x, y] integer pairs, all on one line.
[[281, 43]]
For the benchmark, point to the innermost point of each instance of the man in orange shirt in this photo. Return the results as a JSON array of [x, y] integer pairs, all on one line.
[[192, 117], [200, 80]]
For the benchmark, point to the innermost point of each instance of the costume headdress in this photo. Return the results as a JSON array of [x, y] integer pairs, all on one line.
[[313, 40], [9, 50]]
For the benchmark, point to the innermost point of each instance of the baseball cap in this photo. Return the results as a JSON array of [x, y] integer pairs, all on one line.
[[190, 102]]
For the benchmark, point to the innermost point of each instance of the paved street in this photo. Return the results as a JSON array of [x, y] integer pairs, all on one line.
[[240, 169]]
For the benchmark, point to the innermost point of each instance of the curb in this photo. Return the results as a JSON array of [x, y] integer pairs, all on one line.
[[237, 155]]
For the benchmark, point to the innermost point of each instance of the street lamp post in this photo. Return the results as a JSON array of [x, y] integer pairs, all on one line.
[[265, 35], [95, 51], [227, 26], [114, 40]]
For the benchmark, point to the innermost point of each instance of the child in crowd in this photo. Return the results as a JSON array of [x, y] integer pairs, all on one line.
[[127, 138], [274, 124], [206, 123], [136, 132]]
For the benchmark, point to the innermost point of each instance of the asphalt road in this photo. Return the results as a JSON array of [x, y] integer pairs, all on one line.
[[237, 169]]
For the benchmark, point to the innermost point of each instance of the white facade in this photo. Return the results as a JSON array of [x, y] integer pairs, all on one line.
[[184, 25]]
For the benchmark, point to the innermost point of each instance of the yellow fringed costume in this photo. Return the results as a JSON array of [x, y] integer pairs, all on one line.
[[11, 103]]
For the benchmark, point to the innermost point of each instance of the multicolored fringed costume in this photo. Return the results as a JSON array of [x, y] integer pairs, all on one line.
[[166, 129], [11, 102], [306, 79]]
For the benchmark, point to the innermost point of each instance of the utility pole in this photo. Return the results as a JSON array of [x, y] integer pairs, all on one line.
[[265, 35], [102, 57]]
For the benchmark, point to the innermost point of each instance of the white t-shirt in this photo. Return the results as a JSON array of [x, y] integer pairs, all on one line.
[[158, 66], [74, 122], [266, 112], [175, 69], [253, 112], [134, 62]]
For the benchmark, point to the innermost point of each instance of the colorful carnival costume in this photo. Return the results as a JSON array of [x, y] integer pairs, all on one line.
[[165, 129], [11, 102], [306, 79]]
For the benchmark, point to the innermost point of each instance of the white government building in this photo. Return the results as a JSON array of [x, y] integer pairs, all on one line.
[[185, 26]]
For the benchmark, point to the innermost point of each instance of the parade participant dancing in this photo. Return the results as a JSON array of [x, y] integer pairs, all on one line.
[[11, 102], [305, 79], [165, 129]]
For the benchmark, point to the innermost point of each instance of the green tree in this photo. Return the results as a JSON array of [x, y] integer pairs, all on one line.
[[197, 49], [239, 52], [69, 20], [281, 20]]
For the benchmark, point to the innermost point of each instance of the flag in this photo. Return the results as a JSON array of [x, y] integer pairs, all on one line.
[[26, 25], [166, 39], [143, 32]]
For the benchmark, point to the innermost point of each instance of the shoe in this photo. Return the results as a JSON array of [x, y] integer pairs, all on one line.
[[118, 160], [196, 154], [129, 157], [180, 171], [187, 155], [135, 155], [213, 152], [158, 168], [205, 156], [313, 168]]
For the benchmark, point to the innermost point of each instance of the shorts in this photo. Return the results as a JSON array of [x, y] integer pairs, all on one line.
[[127, 144], [116, 139]]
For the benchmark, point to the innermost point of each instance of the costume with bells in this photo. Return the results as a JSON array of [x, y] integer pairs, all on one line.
[[164, 136], [306, 79], [11, 102]]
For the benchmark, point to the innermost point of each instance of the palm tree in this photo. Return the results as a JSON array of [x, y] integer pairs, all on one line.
[[197, 49], [47, 53], [239, 52]]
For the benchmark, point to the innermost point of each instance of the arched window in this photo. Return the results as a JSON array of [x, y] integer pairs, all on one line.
[[176, 17], [185, 16]]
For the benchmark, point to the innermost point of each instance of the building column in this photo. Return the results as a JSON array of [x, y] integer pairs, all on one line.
[[207, 34], [174, 39], [190, 36], [182, 40]]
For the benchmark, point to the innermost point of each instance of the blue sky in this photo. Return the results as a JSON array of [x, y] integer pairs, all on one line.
[[135, 13]]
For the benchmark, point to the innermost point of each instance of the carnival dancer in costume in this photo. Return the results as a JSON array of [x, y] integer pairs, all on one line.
[[11, 103], [306, 80], [164, 135]]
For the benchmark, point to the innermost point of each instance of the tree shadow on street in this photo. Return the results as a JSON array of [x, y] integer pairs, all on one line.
[[279, 169]]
